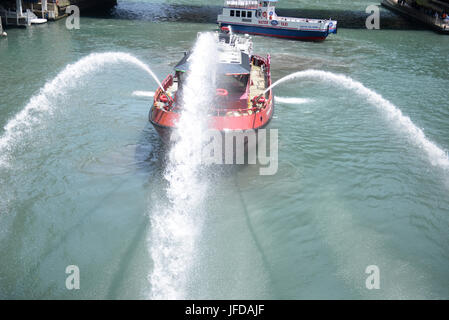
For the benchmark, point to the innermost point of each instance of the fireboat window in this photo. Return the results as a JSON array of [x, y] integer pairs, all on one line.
[[250, 14], [243, 14], [232, 13], [237, 13]]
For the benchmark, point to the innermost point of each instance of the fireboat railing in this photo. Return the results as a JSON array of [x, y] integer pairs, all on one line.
[[241, 111], [167, 83], [225, 111], [257, 105]]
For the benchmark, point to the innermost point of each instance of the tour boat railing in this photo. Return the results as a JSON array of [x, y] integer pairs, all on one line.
[[290, 19], [250, 4]]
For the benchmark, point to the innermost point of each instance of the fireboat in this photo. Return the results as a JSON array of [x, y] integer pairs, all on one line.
[[242, 101], [260, 18]]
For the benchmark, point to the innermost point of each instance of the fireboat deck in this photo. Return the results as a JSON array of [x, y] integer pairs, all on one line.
[[257, 79], [240, 80], [256, 88]]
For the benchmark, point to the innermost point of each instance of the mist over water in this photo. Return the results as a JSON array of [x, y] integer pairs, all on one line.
[[149, 94]]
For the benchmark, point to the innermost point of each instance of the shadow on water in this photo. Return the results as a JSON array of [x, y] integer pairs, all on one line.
[[254, 236], [149, 158], [126, 259], [151, 152], [208, 14]]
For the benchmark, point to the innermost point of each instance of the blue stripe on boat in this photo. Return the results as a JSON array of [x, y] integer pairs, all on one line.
[[277, 32]]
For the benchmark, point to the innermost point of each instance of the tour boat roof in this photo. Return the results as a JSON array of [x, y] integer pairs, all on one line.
[[245, 3]]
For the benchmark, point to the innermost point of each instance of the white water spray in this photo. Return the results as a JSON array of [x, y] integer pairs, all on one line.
[[175, 228], [148, 94], [292, 100], [437, 156], [40, 105]]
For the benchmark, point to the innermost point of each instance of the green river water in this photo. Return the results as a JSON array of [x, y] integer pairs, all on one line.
[[82, 171]]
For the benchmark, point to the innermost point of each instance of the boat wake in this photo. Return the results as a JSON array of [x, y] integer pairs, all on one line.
[[40, 105], [175, 227], [436, 156]]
